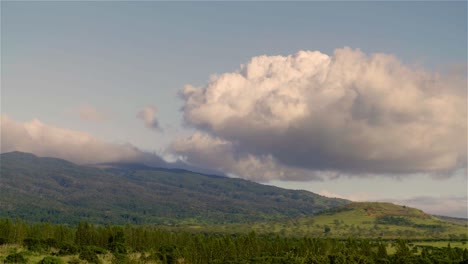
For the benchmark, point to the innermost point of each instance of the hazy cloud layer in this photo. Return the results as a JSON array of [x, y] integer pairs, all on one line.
[[79, 147], [148, 115], [309, 114], [456, 206]]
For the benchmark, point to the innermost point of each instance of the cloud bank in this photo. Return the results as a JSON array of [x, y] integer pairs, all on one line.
[[148, 115], [76, 146], [311, 115]]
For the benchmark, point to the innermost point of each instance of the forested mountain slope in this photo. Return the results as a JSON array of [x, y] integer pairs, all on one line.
[[50, 189]]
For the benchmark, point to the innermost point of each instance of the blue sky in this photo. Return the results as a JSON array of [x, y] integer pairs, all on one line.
[[93, 66]]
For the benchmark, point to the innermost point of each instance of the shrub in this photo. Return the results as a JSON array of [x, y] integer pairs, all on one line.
[[15, 258], [97, 250], [51, 242], [89, 255], [118, 248], [120, 259], [33, 244], [50, 260], [68, 249]]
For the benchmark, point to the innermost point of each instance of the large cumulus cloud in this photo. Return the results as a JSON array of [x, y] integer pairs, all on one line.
[[76, 146], [220, 155], [310, 113]]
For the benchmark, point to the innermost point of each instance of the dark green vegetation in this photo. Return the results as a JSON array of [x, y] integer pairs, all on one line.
[[48, 189], [146, 244]]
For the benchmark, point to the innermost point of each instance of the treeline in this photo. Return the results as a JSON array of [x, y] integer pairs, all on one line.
[[149, 244]]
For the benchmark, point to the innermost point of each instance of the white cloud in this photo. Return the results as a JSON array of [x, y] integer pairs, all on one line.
[[310, 114], [148, 115], [219, 155], [76, 146], [89, 113]]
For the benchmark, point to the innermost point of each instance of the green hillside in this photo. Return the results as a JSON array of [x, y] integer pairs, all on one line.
[[55, 190], [364, 220]]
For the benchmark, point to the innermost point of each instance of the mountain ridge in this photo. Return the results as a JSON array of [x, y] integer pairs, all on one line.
[[50, 189]]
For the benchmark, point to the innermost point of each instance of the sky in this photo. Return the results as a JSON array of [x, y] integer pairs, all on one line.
[[359, 100]]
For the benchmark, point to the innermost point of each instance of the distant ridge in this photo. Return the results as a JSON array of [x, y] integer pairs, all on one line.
[[19, 155]]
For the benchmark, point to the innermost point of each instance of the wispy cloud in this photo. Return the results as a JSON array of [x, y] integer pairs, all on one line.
[[309, 114], [76, 146], [90, 113], [148, 115]]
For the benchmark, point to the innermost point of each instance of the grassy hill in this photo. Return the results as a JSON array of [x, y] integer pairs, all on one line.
[[363, 220], [370, 220], [55, 190]]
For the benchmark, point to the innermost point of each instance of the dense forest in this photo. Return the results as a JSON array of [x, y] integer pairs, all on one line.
[[54, 243]]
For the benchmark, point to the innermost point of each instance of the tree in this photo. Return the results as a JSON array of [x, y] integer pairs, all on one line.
[[89, 255], [381, 252], [116, 242], [402, 253]]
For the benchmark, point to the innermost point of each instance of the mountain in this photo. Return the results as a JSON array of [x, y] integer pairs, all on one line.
[[49, 189]]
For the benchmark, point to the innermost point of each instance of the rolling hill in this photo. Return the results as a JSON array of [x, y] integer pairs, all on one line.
[[365, 220], [49, 189]]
